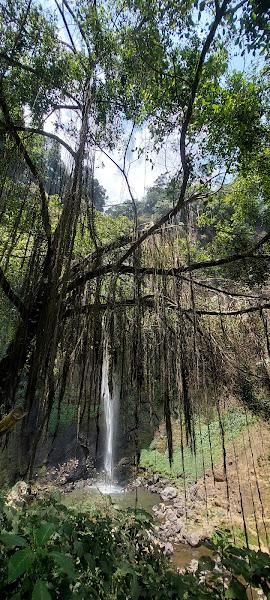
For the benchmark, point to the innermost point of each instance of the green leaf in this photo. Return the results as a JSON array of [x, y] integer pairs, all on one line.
[[40, 591], [44, 533], [64, 562], [206, 564], [16, 596], [19, 563], [10, 539], [135, 590], [236, 590], [78, 547], [67, 527], [126, 568], [90, 560]]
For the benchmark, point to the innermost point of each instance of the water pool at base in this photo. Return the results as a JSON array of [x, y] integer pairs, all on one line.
[[102, 495]]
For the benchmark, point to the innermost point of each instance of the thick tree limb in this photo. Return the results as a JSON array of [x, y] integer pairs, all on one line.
[[240, 311], [9, 292], [221, 291], [94, 256], [173, 272], [150, 302], [11, 420], [31, 165], [52, 136], [79, 26], [16, 63]]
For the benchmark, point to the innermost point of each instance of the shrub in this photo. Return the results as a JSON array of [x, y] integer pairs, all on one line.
[[50, 552]]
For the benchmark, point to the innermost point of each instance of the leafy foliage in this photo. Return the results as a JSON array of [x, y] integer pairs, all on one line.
[[89, 554]]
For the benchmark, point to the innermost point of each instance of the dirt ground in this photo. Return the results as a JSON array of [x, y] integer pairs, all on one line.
[[246, 483]]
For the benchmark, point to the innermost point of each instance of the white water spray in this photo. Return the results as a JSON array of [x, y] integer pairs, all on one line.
[[109, 402]]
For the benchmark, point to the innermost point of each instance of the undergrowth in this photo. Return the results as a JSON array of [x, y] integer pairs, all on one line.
[[50, 552], [195, 463]]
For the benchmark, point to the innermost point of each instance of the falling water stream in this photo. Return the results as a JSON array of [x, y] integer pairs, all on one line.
[[109, 415], [110, 411]]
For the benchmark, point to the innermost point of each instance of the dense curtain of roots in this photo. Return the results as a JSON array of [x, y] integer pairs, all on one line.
[[166, 346]]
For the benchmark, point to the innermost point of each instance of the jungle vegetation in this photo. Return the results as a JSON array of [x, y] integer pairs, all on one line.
[[179, 280]]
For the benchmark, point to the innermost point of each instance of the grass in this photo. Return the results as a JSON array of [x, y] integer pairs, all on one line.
[[195, 463]]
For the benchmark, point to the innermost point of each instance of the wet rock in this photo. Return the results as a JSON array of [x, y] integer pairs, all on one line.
[[180, 511], [170, 515], [177, 526], [79, 485], [159, 515], [138, 482]]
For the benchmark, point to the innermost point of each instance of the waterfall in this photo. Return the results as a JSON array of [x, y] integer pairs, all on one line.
[[109, 403]]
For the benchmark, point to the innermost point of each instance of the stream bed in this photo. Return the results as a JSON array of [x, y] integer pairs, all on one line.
[[135, 499]]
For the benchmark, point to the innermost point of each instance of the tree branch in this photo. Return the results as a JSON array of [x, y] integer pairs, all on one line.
[[225, 313], [49, 135], [231, 11], [150, 302], [78, 25], [172, 272], [31, 165], [16, 63], [11, 295], [185, 125], [220, 291], [120, 242]]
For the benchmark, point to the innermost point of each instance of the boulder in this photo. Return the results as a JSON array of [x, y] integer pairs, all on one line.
[[195, 494], [168, 493], [192, 539], [138, 482], [18, 493], [219, 476]]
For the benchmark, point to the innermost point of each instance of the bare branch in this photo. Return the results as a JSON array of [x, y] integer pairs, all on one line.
[[78, 25], [49, 135], [94, 256], [231, 11], [150, 302], [66, 107], [221, 291], [121, 169], [72, 47]]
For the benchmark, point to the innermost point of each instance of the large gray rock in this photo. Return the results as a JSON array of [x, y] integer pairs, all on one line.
[[168, 548], [195, 494], [191, 538], [168, 493]]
